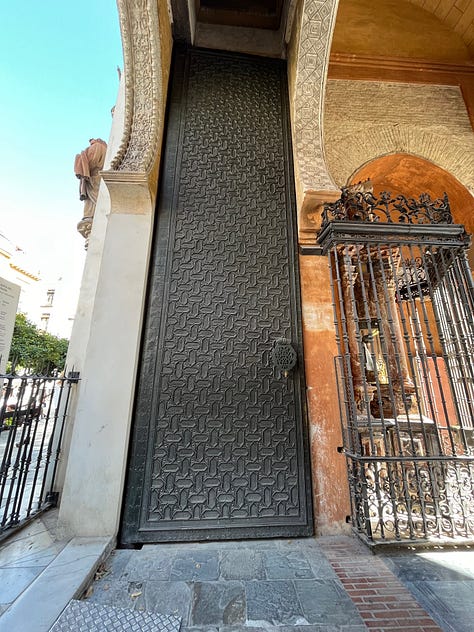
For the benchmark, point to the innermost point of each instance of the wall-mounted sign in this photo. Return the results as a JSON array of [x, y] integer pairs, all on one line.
[[9, 297]]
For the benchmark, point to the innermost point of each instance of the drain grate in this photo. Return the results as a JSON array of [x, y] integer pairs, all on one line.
[[84, 616]]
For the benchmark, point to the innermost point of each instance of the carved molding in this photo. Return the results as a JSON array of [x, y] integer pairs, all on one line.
[[143, 121], [381, 64], [316, 28], [310, 217], [131, 192]]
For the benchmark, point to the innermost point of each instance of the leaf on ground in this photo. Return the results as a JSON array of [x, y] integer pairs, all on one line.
[[101, 572]]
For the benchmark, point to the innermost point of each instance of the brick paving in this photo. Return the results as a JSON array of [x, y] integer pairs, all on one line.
[[383, 602]]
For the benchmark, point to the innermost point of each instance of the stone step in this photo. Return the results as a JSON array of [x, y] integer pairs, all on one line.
[[65, 578]]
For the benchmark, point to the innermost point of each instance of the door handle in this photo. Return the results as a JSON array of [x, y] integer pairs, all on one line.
[[284, 356]]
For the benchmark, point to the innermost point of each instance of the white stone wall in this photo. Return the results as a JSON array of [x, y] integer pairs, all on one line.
[[83, 318]]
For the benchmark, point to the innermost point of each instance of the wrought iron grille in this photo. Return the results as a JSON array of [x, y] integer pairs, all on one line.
[[33, 412], [403, 305]]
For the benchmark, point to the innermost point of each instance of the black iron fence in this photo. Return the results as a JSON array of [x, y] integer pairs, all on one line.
[[33, 414], [403, 305]]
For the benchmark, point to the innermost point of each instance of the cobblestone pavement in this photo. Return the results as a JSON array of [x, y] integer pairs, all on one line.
[[333, 584]]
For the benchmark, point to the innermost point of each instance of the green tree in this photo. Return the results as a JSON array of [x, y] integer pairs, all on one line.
[[36, 350]]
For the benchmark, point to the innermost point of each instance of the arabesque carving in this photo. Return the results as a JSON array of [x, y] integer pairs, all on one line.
[[316, 30], [144, 88], [143, 120]]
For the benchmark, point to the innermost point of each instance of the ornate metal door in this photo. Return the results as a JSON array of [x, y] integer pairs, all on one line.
[[219, 447]]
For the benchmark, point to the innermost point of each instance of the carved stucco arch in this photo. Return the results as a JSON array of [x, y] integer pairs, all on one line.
[[348, 153], [146, 76], [316, 26], [313, 162], [146, 70]]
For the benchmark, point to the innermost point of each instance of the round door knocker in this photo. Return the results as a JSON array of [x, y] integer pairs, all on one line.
[[284, 356]]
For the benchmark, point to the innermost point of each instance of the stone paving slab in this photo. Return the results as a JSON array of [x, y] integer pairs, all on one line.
[[442, 581], [287, 564], [14, 581], [242, 564], [231, 586], [452, 603], [326, 602], [218, 603], [173, 598], [432, 566], [195, 565], [24, 556]]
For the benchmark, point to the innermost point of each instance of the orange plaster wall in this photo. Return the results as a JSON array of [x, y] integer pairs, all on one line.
[[395, 28], [411, 175], [330, 486]]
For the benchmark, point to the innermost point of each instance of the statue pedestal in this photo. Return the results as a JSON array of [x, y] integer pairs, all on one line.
[[84, 227]]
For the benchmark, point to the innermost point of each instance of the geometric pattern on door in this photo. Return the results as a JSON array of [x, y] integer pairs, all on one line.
[[219, 440]]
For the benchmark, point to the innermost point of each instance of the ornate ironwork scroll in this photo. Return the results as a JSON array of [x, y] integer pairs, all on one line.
[[358, 204]]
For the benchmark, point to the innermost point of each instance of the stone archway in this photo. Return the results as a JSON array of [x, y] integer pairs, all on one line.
[[146, 38], [309, 58], [121, 279], [453, 155]]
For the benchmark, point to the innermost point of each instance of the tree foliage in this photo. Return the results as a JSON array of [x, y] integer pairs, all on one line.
[[36, 350]]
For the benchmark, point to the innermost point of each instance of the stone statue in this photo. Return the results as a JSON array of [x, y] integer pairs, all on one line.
[[87, 166]]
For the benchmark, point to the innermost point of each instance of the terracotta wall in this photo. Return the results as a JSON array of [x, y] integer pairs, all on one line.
[[330, 486]]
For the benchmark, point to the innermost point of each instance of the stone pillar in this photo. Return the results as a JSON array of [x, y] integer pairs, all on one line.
[[91, 499], [82, 320]]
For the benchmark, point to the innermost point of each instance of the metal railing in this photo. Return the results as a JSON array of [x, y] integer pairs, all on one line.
[[403, 301], [33, 415]]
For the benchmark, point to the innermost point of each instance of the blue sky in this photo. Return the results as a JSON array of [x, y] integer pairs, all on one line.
[[59, 82]]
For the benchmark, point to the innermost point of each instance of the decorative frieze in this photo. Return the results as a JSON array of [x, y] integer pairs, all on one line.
[[144, 111], [316, 28]]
